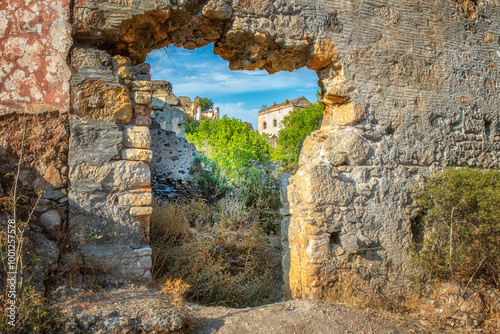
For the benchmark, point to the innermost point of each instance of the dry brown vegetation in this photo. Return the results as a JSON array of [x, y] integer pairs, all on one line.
[[216, 249]]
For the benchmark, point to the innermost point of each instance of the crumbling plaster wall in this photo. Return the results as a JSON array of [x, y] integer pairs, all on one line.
[[35, 38], [410, 86]]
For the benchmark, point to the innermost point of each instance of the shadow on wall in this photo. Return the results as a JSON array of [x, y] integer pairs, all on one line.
[[43, 170]]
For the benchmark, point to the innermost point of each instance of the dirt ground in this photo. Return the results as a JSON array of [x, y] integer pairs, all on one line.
[[299, 317], [134, 309]]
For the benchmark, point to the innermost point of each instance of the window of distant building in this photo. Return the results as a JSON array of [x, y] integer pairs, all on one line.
[[275, 123], [264, 125]]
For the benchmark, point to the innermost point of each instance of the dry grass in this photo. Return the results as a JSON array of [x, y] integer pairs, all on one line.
[[353, 286], [215, 249]]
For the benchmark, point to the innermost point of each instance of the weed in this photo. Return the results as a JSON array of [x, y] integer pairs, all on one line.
[[176, 290], [31, 312]]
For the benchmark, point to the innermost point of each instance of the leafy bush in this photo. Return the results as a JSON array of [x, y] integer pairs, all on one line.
[[221, 264], [296, 125], [461, 225], [230, 143]]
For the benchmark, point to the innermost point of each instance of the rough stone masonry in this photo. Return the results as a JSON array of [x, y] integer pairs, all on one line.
[[410, 86]]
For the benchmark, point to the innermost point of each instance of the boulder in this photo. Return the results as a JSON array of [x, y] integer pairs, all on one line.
[[52, 222]]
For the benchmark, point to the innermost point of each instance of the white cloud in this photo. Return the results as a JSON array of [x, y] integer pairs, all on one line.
[[238, 110]]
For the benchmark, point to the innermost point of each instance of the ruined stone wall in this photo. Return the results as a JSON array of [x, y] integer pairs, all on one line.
[[109, 159], [410, 86], [167, 108], [173, 155], [35, 38], [415, 89]]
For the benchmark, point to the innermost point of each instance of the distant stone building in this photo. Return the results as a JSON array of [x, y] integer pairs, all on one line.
[[193, 110], [167, 109], [172, 153], [270, 119]]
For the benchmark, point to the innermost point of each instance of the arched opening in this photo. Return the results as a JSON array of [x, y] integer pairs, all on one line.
[[186, 81], [112, 45]]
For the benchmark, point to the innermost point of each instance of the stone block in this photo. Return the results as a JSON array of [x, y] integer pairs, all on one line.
[[144, 222], [346, 147], [126, 72], [136, 137], [93, 142], [218, 10], [141, 85], [137, 154], [141, 211], [121, 61], [143, 68], [52, 222], [47, 252], [70, 262], [317, 185], [131, 200], [345, 114], [142, 97], [95, 99]]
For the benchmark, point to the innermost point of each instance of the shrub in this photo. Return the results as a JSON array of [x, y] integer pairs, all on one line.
[[222, 266], [259, 191], [191, 126], [461, 225], [32, 314], [209, 179]]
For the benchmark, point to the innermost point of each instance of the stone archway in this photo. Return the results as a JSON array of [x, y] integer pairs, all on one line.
[[385, 81]]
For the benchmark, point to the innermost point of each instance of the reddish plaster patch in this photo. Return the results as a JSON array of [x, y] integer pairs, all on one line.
[[35, 37]]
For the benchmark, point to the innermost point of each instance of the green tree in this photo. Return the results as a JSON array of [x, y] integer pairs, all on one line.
[[296, 125], [205, 103], [230, 143]]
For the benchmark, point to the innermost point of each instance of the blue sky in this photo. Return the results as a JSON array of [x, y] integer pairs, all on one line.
[[238, 94]]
